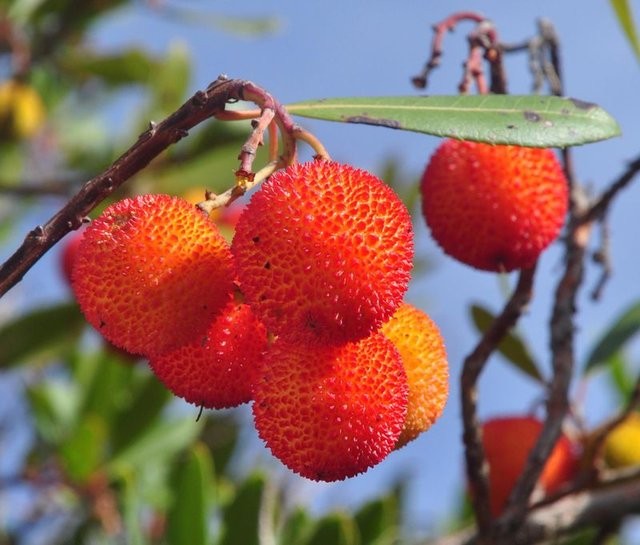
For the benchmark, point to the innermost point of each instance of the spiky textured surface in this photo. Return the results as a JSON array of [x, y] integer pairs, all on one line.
[[495, 208], [507, 442], [151, 273], [622, 446], [324, 252], [217, 370], [424, 357], [329, 413]]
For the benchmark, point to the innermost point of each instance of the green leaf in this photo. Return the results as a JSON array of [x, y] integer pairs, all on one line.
[[296, 528], [187, 519], [625, 18], [378, 521], [39, 334], [54, 404], [336, 529], [161, 441], [612, 340], [512, 347], [622, 380], [83, 452], [125, 67], [536, 121], [241, 518], [149, 398]]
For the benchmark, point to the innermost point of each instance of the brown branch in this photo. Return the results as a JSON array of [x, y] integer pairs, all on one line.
[[604, 505], [201, 106], [477, 472]]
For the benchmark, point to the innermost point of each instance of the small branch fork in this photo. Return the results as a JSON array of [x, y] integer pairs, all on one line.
[[212, 102]]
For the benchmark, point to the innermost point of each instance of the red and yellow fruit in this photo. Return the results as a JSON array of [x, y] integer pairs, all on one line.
[[324, 253], [329, 412], [495, 208], [22, 111], [622, 446], [424, 357], [507, 442], [218, 369], [151, 274]]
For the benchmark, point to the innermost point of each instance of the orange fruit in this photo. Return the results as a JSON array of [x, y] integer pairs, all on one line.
[[507, 442], [424, 357], [151, 273], [331, 412], [495, 208], [324, 252]]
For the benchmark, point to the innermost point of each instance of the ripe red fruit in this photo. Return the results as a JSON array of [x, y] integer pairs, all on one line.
[[495, 208], [424, 357], [324, 252], [152, 272], [327, 412], [507, 442], [217, 370], [69, 254]]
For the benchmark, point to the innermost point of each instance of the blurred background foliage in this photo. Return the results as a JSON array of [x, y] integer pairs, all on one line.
[[112, 457]]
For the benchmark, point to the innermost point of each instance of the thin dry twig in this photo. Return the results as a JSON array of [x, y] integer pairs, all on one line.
[[201, 106]]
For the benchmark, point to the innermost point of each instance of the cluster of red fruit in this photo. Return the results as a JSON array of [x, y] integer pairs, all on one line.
[[302, 313]]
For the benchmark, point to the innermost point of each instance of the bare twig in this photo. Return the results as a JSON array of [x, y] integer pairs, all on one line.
[[439, 30], [201, 106], [472, 368]]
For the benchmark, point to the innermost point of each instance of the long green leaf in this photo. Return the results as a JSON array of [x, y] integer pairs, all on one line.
[[39, 333], [241, 518], [536, 121], [611, 341], [625, 18], [512, 347], [336, 529], [187, 519]]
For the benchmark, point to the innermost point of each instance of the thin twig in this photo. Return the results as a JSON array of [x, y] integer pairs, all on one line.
[[472, 368], [448, 25], [201, 106]]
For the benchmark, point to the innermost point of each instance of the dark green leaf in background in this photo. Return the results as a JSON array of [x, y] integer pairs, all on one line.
[[192, 483], [241, 518], [296, 528], [39, 334], [612, 340], [537, 121], [379, 520], [512, 347], [336, 529]]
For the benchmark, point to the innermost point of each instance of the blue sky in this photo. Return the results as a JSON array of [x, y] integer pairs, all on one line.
[[373, 48]]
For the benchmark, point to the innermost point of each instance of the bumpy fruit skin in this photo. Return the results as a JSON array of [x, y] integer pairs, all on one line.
[[219, 369], [151, 274], [507, 442], [622, 446], [495, 208], [421, 346], [329, 413], [324, 252]]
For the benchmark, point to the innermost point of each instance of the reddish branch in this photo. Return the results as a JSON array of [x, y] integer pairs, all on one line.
[[483, 44], [201, 106]]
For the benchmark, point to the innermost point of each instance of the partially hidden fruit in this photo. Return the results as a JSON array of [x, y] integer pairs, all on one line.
[[218, 369], [329, 413], [507, 442], [151, 274], [324, 252], [622, 446], [22, 111], [493, 207], [424, 357]]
